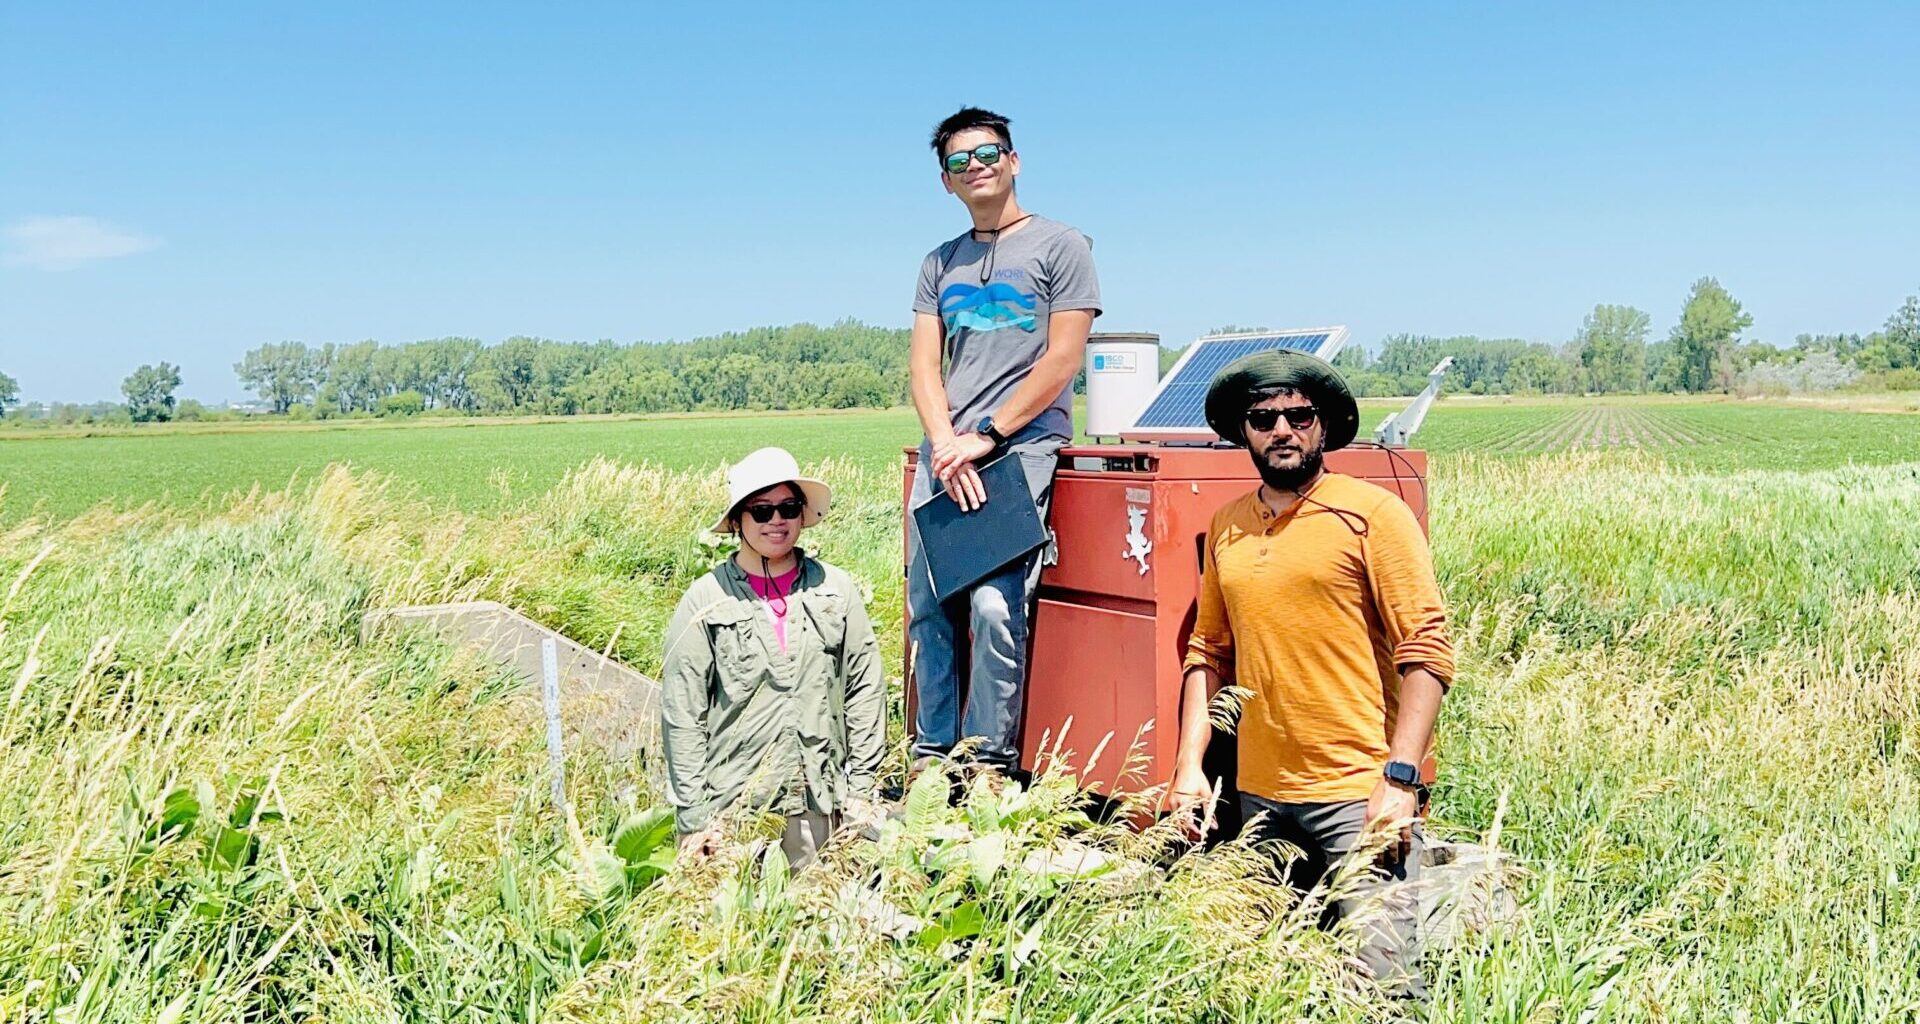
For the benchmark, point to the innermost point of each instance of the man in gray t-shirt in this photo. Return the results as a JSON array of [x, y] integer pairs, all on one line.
[[998, 329], [1001, 318]]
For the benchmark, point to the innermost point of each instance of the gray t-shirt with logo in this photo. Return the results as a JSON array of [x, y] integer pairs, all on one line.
[[994, 301]]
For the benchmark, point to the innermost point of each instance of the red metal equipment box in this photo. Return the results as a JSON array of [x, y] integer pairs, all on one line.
[[1112, 624]]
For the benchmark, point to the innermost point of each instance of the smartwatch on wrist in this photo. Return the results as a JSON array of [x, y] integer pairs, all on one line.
[[990, 432], [1403, 773]]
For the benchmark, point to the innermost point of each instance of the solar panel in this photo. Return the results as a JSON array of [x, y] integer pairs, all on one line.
[[1178, 409]]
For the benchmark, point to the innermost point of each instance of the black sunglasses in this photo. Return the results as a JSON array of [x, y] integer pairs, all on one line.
[[988, 155], [792, 508], [1300, 417]]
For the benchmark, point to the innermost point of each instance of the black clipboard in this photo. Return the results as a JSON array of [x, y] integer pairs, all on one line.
[[963, 548]]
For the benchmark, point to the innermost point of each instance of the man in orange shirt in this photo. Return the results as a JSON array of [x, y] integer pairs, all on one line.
[[1318, 597]]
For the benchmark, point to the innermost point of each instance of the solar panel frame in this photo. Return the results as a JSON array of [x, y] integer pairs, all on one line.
[[1176, 412]]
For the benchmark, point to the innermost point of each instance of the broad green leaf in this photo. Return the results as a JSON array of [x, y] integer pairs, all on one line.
[[178, 813], [640, 876], [966, 921], [774, 874], [232, 849], [247, 803], [604, 873], [203, 792], [987, 855], [595, 944], [927, 800], [642, 835]]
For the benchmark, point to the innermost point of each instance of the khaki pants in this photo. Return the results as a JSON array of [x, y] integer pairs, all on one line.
[[806, 833]]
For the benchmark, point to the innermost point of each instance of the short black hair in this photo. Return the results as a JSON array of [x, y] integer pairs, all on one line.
[[967, 119]]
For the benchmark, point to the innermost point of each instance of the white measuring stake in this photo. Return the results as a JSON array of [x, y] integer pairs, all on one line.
[[550, 692]]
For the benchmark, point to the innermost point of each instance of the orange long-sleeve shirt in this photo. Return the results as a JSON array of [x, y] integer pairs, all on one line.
[[1315, 611]]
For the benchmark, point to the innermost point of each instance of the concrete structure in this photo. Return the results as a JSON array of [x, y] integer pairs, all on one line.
[[603, 702]]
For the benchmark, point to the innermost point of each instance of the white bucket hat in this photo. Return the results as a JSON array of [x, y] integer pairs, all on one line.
[[764, 469]]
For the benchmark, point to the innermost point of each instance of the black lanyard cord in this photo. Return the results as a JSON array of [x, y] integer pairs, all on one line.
[[993, 242]]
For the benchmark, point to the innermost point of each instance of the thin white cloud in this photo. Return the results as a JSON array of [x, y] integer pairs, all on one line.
[[63, 243]]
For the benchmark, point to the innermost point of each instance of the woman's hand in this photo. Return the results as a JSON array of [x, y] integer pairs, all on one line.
[[698, 846]]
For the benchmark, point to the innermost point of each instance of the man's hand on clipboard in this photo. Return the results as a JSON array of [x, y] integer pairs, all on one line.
[[953, 466]]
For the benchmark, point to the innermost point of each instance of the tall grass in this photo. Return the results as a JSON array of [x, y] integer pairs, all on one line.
[[1691, 701], [215, 804], [1700, 697]]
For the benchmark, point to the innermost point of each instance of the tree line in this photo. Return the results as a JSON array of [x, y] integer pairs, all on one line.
[[851, 364], [1705, 351], [803, 366]]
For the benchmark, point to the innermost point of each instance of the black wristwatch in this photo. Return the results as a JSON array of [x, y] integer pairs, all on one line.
[[991, 432], [1403, 773]]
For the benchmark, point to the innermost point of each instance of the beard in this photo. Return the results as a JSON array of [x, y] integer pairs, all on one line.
[[1281, 479]]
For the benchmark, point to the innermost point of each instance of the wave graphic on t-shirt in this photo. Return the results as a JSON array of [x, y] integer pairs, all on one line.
[[987, 308]]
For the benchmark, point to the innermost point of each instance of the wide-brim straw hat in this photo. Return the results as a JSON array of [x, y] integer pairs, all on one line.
[[1232, 391], [767, 468]]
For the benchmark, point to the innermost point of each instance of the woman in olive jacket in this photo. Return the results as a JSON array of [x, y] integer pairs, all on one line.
[[772, 692]]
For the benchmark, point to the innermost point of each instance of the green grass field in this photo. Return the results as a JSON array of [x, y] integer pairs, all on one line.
[[1688, 705], [484, 466]]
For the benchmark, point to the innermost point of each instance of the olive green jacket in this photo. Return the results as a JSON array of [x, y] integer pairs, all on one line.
[[742, 722]]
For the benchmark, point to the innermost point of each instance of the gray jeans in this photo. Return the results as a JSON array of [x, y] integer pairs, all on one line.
[[994, 613], [1387, 912]]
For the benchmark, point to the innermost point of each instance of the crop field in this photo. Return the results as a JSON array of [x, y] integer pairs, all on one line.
[[474, 465], [1702, 434], [1688, 709], [483, 466]]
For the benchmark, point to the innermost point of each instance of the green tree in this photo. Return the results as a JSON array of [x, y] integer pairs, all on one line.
[[557, 368], [1704, 339], [1237, 329], [400, 368], [1479, 365], [353, 378], [403, 403], [450, 363], [1903, 334], [1537, 370], [856, 385], [149, 392], [9, 391], [1613, 349], [282, 374], [502, 378]]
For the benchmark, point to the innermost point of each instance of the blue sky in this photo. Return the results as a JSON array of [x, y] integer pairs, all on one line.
[[184, 182]]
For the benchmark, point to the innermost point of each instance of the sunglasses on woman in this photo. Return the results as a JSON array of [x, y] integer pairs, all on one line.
[[1300, 417], [792, 508], [988, 155]]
